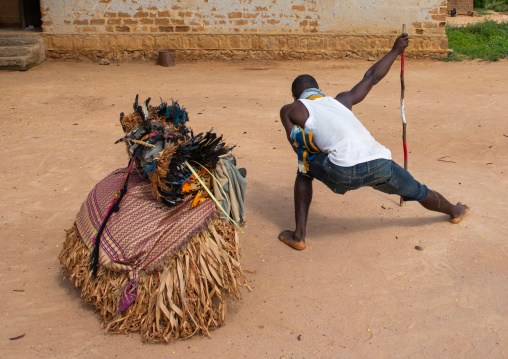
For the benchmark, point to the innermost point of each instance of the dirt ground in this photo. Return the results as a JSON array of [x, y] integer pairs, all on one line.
[[461, 20], [359, 290]]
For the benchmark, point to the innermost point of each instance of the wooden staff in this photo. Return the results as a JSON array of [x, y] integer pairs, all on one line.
[[402, 88]]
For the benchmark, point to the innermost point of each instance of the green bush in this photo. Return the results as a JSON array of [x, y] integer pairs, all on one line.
[[480, 3], [497, 5]]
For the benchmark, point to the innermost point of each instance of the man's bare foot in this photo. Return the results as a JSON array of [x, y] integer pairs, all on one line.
[[461, 211], [288, 237]]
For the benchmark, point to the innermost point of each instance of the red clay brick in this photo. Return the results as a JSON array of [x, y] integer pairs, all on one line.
[[114, 21], [460, 5], [166, 28], [234, 15], [123, 14], [298, 8], [429, 24], [80, 22], [122, 29], [141, 14], [182, 28], [97, 22], [160, 21], [130, 22]]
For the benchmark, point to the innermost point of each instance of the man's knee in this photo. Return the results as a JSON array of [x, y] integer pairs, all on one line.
[[304, 177]]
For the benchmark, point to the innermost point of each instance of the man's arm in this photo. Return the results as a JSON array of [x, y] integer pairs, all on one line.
[[293, 114], [373, 75]]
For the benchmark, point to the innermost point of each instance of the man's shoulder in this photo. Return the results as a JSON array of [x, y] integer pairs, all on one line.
[[293, 106], [296, 112], [344, 98]]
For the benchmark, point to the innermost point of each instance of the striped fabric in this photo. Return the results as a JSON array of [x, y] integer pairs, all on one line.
[[144, 232], [305, 147]]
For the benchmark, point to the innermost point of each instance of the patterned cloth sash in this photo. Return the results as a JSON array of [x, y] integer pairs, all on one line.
[[311, 94], [306, 149]]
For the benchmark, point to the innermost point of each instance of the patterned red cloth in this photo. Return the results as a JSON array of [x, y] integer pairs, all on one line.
[[143, 233]]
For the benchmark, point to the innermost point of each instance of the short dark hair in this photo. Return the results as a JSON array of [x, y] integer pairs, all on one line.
[[302, 83]]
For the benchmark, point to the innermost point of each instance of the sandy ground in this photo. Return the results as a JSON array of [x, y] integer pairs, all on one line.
[[461, 20], [359, 290]]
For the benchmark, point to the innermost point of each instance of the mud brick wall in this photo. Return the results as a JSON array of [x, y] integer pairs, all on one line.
[[10, 13], [130, 29], [461, 5]]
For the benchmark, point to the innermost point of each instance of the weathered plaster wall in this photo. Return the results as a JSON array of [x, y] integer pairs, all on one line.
[[206, 27]]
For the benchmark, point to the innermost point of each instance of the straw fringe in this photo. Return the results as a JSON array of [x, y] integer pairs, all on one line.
[[187, 296]]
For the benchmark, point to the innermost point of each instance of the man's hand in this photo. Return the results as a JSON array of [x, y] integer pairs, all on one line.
[[401, 43]]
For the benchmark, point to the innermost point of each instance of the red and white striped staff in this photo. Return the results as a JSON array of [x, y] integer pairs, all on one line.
[[402, 88]]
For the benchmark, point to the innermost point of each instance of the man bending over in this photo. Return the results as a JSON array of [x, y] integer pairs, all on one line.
[[334, 147]]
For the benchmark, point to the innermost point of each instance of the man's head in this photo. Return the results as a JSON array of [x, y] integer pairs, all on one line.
[[302, 83]]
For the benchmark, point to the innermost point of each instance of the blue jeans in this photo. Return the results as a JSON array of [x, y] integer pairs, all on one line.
[[382, 175]]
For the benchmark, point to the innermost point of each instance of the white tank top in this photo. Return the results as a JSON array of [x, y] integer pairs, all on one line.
[[337, 131]]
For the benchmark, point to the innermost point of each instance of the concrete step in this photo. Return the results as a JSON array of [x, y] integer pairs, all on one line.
[[21, 53], [18, 41], [13, 62], [7, 51]]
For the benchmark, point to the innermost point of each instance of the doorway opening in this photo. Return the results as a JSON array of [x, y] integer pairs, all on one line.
[[21, 14]]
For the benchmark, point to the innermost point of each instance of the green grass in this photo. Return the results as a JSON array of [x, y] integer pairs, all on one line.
[[486, 40], [497, 5], [481, 11]]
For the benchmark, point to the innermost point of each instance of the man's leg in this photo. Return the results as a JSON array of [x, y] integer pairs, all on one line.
[[401, 182], [436, 202], [303, 198]]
